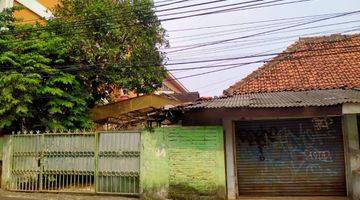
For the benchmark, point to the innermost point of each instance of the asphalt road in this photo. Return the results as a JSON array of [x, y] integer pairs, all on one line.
[[6, 195]]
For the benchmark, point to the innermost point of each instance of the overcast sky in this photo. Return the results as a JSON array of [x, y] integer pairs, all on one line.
[[242, 23]]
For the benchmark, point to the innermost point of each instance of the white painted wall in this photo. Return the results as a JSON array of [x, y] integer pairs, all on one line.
[[36, 7], [6, 4], [32, 5]]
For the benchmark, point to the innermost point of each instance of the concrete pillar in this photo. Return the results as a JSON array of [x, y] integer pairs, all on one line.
[[6, 163], [352, 156], [230, 161]]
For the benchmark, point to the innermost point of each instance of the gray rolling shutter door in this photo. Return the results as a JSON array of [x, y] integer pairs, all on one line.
[[290, 157]]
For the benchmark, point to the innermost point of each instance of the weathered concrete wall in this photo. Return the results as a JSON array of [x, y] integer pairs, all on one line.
[[2, 142], [183, 163], [231, 178], [6, 164], [352, 155]]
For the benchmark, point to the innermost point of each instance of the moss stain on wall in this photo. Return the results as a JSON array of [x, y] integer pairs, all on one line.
[[183, 163]]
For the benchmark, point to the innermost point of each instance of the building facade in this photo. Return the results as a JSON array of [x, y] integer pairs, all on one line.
[[129, 106], [291, 128]]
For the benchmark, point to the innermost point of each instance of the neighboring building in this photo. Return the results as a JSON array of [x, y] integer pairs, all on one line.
[[129, 111], [34, 10], [291, 127], [172, 92]]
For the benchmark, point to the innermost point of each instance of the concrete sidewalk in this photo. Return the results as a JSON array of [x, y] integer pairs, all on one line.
[[6, 195], [294, 198]]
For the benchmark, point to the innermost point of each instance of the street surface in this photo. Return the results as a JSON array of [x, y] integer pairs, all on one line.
[[6, 195]]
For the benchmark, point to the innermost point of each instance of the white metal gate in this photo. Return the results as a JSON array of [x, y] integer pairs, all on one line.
[[105, 162]]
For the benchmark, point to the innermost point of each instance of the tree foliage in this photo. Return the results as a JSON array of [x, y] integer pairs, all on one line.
[[113, 43], [51, 74], [34, 94]]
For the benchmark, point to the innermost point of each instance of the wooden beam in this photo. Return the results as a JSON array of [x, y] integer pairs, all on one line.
[[215, 116], [351, 108], [130, 105]]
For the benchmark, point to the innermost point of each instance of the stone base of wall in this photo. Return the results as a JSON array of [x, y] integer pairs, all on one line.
[[186, 192]]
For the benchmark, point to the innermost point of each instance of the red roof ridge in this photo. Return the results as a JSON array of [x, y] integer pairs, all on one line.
[[256, 73], [326, 38], [304, 66]]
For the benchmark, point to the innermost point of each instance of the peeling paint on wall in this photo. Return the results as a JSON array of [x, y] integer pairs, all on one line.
[[183, 163]]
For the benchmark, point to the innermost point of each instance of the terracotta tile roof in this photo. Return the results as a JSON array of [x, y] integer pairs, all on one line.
[[316, 63]]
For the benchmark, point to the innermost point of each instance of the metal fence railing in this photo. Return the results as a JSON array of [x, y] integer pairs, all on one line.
[[105, 162]]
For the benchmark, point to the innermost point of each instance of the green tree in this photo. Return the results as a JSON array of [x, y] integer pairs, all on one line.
[[51, 74], [34, 94], [112, 43]]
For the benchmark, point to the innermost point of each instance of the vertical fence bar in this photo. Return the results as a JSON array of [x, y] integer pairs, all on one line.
[[41, 160], [96, 162], [67, 162], [12, 185]]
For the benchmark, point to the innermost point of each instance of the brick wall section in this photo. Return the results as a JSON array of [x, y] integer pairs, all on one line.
[[195, 163]]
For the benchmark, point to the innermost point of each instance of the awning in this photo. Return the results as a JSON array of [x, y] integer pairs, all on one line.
[[131, 110], [281, 99]]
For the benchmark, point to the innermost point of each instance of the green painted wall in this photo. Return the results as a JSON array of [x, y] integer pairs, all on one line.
[[183, 163], [154, 167]]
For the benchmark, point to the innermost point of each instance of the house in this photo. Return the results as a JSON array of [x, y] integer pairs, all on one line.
[[129, 108], [129, 111], [291, 128], [34, 10]]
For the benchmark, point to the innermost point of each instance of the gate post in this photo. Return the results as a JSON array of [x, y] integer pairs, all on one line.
[[41, 160], [96, 162], [6, 177]]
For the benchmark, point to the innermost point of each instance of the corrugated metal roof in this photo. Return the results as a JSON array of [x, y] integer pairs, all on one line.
[[282, 99]]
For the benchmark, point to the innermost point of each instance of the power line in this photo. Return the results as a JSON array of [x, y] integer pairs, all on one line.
[[247, 30], [233, 64], [192, 5], [211, 60], [254, 22], [242, 57], [79, 22], [69, 67], [249, 56], [221, 63], [285, 31], [172, 3], [245, 44], [115, 27], [201, 14], [265, 32], [236, 30], [167, 1], [255, 42], [208, 8], [219, 82], [258, 61], [147, 4], [283, 58], [231, 10], [9, 33]]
